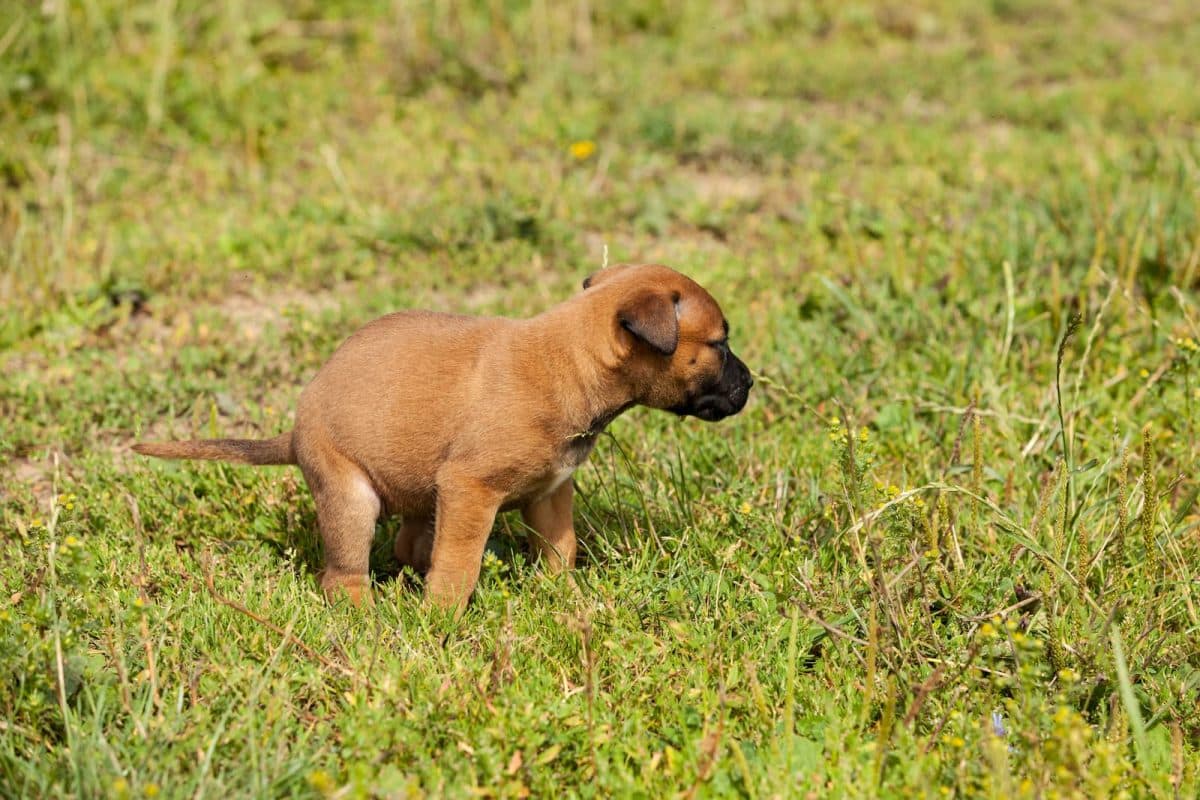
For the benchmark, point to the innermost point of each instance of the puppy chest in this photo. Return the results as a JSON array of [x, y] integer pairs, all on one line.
[[576, 450], [562, 468], [558, 478]]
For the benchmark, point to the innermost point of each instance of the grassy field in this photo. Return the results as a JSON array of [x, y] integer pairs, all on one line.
[[950, 549]]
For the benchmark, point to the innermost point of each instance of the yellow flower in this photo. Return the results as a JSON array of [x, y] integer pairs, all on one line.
[[1145, 373], [953, 741], [745, 508], [151, 790], [582, 150], [321, 781]]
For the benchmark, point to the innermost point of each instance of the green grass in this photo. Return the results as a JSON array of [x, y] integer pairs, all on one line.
[[950, 548]]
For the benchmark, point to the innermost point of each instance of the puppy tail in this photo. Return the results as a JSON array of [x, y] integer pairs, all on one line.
[[239, 451]]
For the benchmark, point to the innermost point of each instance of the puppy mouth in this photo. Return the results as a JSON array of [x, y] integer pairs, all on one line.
[[721, 398], [711, 407]]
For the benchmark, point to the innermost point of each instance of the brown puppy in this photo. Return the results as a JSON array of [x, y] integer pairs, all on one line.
[[448, 420]]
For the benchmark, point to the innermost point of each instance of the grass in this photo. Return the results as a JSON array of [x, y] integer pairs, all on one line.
[[948, 550]]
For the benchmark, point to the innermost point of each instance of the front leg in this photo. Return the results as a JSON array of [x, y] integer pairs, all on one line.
[[553, 528], [466, 509]]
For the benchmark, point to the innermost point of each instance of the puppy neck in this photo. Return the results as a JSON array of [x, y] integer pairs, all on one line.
[[589, 363], [598, 424]]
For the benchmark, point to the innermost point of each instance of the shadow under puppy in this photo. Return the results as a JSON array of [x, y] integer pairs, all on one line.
[[447, 420]]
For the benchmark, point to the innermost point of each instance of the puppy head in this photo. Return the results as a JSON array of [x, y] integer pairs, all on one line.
[[673, 341]]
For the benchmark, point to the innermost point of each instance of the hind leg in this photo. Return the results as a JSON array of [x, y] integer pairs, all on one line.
[[347, 508], [553, 536], [414, 542]]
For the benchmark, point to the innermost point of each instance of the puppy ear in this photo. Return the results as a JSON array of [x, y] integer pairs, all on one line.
[[653, 317]]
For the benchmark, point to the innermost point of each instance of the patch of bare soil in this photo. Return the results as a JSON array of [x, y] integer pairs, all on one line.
[[720, 186], [251, 311], [37, 476]]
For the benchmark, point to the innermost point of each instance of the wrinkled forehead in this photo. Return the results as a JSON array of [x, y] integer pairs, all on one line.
[[699, 315]]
